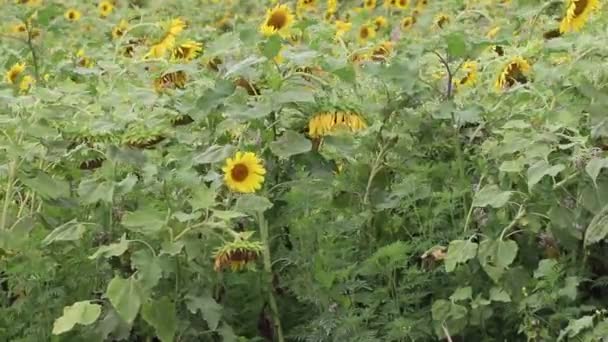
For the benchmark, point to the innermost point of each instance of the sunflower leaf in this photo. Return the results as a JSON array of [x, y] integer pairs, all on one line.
[[289, 144]]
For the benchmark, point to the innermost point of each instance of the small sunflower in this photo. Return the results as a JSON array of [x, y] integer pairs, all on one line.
[[421, 4], [366, 32], [105, 8], [19, 28], [332, 6], [441, 20], [26, 83], [172, 80], [383, 50], [120, 29], [400, 4], [513, 72], [342, 27], [380, 22], [578, 14], [278, 20], [470, 77], [13, 73], [244, 173], [236, 255], [187, 51], [326, 123], [369, 4], [306, 6], [407, 23], [493, 32], [72, 14], [83, 60]]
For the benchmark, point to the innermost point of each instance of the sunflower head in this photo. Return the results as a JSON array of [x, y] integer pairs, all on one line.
[[306, 5], [382, 51], [577, 14], [380, 22], [514, 71], [187, 51], [120, 29], [342, 27], [421, 4], [175, 26], [366, 32], [72, 14], [470, 77], [171, 80], [19, 28], [244, 172], [407, 23], [82, 60], [278, 20], [327, 123], [105, 8], [13, 73], [237, 255], [441, 20], [26, 83], [399, 4], [369, 4]]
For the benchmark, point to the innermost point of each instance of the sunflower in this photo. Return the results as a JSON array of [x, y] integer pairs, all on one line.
[[83, 60], [513, 72], [31, 3], [236, 255], [172, 80], [493, 32], [19, 28], [244, 173], [175, 26], [105, 8], [470, 77], [326, 123], [120, 29], [366, 32], [342, 27], [159, 50], [278, 20], [26, 83], [421, 4], [187, 51], [306, 6], [407, 23], [369, 4], [400, 4], [382, 51], [13, 73], [441, 20], [578, 14], [72, 14], [380, 22], [332, 6]]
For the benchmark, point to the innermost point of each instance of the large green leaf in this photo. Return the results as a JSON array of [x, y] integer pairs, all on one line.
[[161, 315], [215, 154], [491, 195], [111, 250], [68, 231], [290, 143], [83, 313], [250, 203], [125, 296], [459, 252], [597, 229], [47, 186], [209, 308], [147, 220], [540, 169]]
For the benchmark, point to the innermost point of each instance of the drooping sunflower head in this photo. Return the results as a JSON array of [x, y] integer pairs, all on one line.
[[13, 73], [244, 172], [278, 20], [171, 80], [175, 26], [577, 14], [369, 4], [366, 32], [72, 14], [515, 71], [120, 29], [160, 49], [105, 8], [327, 123], [441, 20], [383, 51], [380, 22], [470, 77], [407, 23], [236, 255], [187, 51]]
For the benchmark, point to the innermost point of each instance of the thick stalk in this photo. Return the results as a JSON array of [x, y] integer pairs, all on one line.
[[268, 269]]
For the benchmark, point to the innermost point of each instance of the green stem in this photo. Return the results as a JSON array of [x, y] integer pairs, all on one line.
[[268, 269], [30, 44], [8, 194]]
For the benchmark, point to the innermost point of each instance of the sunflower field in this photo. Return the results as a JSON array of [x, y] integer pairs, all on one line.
[[304, 170]]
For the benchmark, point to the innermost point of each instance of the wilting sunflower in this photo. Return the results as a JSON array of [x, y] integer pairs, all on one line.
[[244, 173], [513, 72], [236, 255], [470, 77], [171, 80], [26, 83], [407, 23], [326, 123], [278, 20], [187, 51], [105, 8], [120, 29], [380, 22], [13, 73], [72, 14], [369, 4], [441, 20], [366, 32], [578, 14], [342, 27], [383, 50]]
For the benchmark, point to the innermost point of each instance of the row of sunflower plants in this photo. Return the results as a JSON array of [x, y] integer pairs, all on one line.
[[305, 170]]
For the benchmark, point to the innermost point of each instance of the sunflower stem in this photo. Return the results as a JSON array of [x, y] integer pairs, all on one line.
[[268, 269], [30, 44], [8, 194]]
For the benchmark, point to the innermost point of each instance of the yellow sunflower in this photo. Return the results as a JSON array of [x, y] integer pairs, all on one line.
[[244, 173], [187, 51], [105, 8], [332, 6], [306, 6], [278, 20], [369, 4], [160, 49], [13, 73], [382, 51], [19, 28], [441, 20], [171, 80], [342, 27], [236, 255], [366, 32], [120, 29], [380, 22], [401, 4], [407, 23], [493, 32], [326, 123], [421, 4], [72, 14], [26, 83], [578, 14], [83, 60], [513, 72], [175, 26], [470, 77]]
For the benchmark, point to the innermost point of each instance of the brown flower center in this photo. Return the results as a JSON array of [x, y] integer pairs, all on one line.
[[277, 20], [580, 6], [364, 33], [403, 3], [239, 172], [71, 15]]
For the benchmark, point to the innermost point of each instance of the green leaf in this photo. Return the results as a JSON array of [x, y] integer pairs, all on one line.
[[149, 270], [293, 95], [491, 195], [575, 326], [346, 74], [171, 248], [160, 314], [540, 169], [47, 187], [215, 154], [496, 255], [115, 249], [68, 231], [594, 166], [499, 295], [83, 313], [459, 252], [91, 192], [462, 293], [203, 198], [597, 229], [250, 203], [146, 220], [125, 296], [211, 98], [271, 47], [211, 310], [227, 215], [457, 46], [289, 144]]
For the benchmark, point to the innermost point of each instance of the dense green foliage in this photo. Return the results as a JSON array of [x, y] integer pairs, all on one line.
[[468, 209]]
